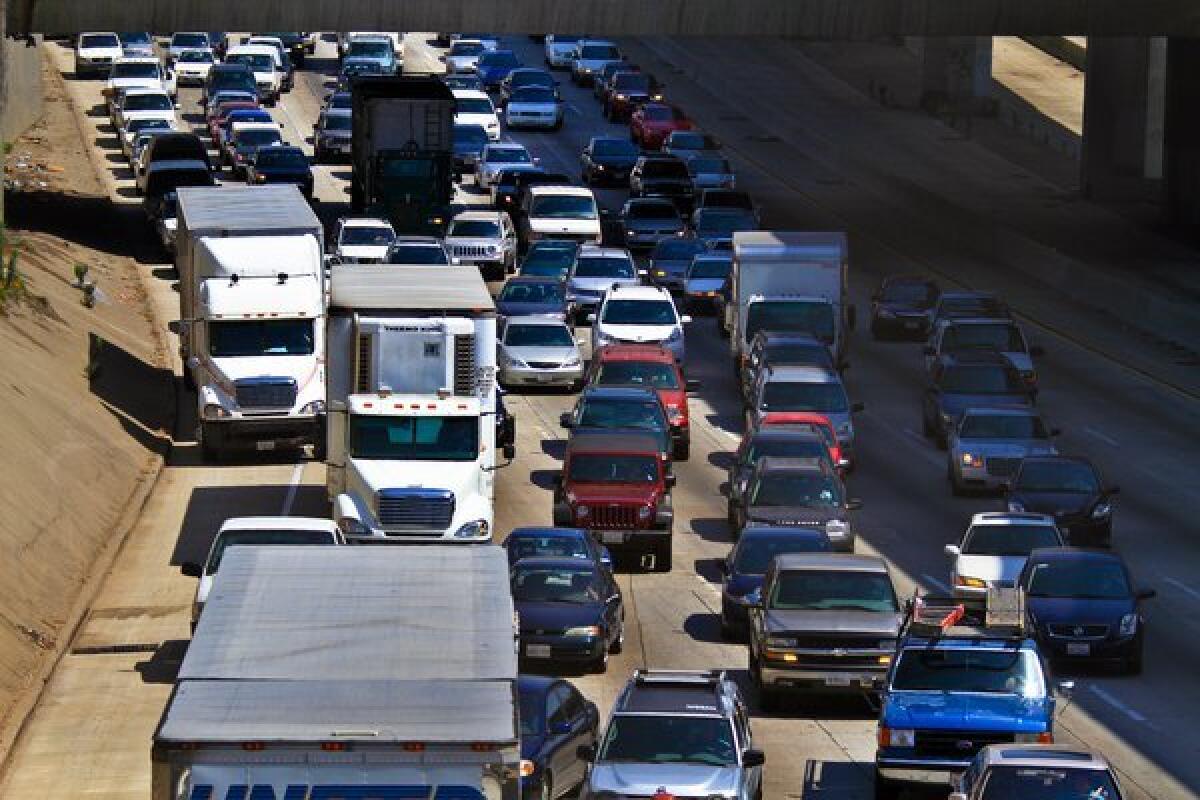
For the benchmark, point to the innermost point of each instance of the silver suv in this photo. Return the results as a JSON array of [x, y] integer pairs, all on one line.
[[685, 732]]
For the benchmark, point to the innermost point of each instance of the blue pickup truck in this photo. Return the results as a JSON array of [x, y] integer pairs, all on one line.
[[958, 682]]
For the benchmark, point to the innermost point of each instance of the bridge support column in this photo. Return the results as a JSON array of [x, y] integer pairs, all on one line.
[[1180, 149], [956, 74]]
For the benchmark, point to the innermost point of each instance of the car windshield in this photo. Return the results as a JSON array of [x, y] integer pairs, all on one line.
[[524, 545], [787, 447], [533, 292], [482, 228], [791, 315], [639, 312], [465, 49], [531, 77], [1002, 426], [660, 113], [654, 209], [651, 374], [980, 379], [660, 739], [518, 335], [723, 223], [261, 537], [413, 253], [755, 553], [249, 338], [1003, 337], [1048, 783], [1057, 476], [189, 40], [499, 58], [147, 102], [546, 584], [366, 235], [549, 259], [1009, 540], [599, 52], [259, 62], [947, 669], [369, 49], [532, 711], [533, 94], [665, 168], [918, 294], [414, 438], [631, 81], [99, 40], [135, 37], [796, 396], [1090, 578], [793, 488], [473, 105], [508, 155], [470, 137], [613, 147], [828, 590], [257, 138], [139, 125], [283, 158], [711, 268], [336, 122], [608, 468], [814, 353], [690, 140], [604, 267], [196, 57], [135, 69], [563, 206], [612, 413]]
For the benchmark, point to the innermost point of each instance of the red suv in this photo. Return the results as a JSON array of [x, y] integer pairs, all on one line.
[[618, 486], [650, 366], [650, 124]]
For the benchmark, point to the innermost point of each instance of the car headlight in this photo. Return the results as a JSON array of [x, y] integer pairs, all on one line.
[[1016, 506], [475, 529], [215, 411], [622, 97], [836, 527], [645, 512], [897, 737], [315, 407], [516, 362], [780, 641], [582, 511], [1128, 625], [1101, 510], [350, 526], [528, 768], [583, 630], [969, 582], [972, 460]]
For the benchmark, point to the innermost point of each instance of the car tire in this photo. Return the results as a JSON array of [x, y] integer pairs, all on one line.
[[619, 643], [956, 488], [600, 665], [1133, 664], [662, 556], [682, 450]]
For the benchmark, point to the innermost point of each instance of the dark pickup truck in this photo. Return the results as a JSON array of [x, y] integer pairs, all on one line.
[[822, 623]]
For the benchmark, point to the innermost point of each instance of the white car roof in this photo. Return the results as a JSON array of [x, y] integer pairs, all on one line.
[[257, 126], [470, 94], [365, 222], [488, 216], [640, 293], [1011, 518], [277, 523], [140, 91], [572, 191], [253, 50]]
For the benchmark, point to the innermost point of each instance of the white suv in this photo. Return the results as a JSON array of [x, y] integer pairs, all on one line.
[[96, 52], [484, 238], [639, 315], [473, 107]]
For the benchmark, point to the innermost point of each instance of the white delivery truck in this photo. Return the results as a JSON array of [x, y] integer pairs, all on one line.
[[252, 303], [411, 400], [789, 281], [329, 673]]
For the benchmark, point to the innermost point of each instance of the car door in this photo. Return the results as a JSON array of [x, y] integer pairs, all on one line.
[[575, 709], [561, 760], [751, 777]]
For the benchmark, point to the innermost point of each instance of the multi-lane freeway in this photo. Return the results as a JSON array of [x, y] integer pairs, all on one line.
[[90, 735]]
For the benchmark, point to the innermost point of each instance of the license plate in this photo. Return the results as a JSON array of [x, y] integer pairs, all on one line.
[[537, 650], [837, 680], [268, 445], [612, 537], [1078, 649]]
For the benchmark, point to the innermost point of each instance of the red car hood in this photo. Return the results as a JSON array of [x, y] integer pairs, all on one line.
[[624, 493]]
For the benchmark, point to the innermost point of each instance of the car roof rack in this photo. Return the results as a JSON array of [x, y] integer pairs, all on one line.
[[998, 616], [678, 677]]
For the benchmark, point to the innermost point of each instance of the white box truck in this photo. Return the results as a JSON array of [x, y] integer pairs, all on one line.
[[789, 281], [330, 673], [252, 303], [412, 403]]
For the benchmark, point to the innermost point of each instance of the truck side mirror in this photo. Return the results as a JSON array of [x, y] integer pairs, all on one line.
[[190, 569]]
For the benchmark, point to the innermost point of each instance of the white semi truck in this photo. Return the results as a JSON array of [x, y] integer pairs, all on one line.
[[252, 302], [330, 673], [412, 403], [789, 281]]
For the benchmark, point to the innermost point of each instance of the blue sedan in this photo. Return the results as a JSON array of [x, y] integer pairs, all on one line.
[[556, 720], [744, 567], [555, 543], [570, 610]]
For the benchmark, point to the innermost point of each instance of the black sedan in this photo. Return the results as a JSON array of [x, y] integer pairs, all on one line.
[[900, 307], [533, 542], [1084, 607], [570, 610], [556, 720], [1069, 489], [608, 160], [282, 165]]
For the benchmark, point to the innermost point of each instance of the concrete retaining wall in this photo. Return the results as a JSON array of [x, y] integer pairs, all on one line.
[[20, 88]]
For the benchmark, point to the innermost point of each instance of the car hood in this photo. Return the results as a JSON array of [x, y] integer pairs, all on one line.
[[599, 284], [1078, 610], [801, 516], [365, 252], [620, 162], [555, 355], [637, 333], [965, 711], [705, 284], [630, 493], [508, 308], [1055, 503], [652, 225], [465, 118], [1013, 448], [551, 226], [883, 624], [955, 404], [535, 616], [688, 780], [990, 568]]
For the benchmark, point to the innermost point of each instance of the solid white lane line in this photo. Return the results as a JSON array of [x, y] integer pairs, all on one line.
[[1183, 587], [1101, 436], [941, 586], [1132, 713], [297, 473]]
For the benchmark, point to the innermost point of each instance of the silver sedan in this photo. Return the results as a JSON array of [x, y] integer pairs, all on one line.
[[987, 446], [539, 351]]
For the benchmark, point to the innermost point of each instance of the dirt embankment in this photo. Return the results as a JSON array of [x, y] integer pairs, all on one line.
[[84, 395]]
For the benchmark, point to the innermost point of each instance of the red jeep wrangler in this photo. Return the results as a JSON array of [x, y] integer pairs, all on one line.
[[650, 366], [618, 486]]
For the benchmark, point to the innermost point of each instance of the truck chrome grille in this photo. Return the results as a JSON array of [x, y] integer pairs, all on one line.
[[614, 517], [471, 251], [416, 509], [265, 392], [839, 642], [464, 364], [1002, 467]]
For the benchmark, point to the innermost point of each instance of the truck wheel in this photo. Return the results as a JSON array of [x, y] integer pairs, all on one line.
[[662, 556]]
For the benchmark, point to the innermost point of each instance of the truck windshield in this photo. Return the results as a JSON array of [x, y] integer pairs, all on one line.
[[246, 338], [668, 740], [791, 315], [1009, 540], [545, 584], [962, 669], [262, 537], [1049, 783], [561, 206], [809, 490], [826, 590], [827, 398], [653, 374], [613, 469], [414, 438]]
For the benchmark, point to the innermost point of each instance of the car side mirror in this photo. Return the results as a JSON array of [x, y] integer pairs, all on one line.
[[190, 569], [692, 385], [1146, 594], [952, 550], [753, 758], [1037, 351], [857, 407], [564, 420], [670, 480], [585, 752], [854, 504]]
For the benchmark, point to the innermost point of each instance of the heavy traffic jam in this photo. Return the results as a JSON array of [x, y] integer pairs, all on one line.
[[393, 334]]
